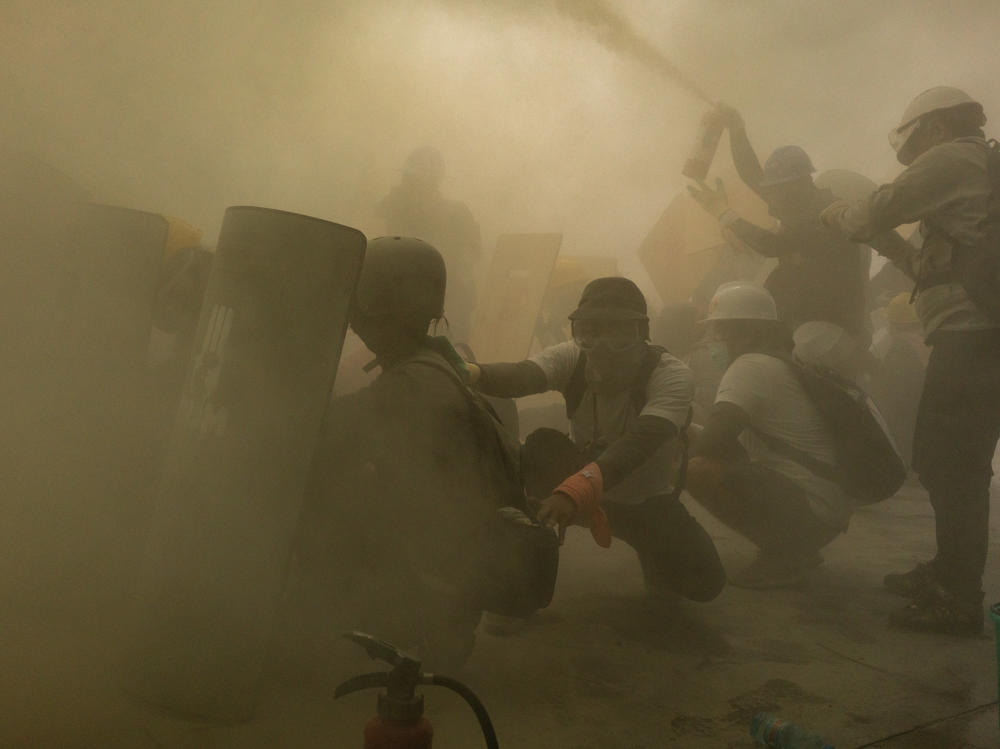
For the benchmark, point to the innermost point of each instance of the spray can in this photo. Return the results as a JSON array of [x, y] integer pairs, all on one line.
[[700, 159]]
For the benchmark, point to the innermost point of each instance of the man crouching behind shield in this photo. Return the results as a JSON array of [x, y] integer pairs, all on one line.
[[403, 518]]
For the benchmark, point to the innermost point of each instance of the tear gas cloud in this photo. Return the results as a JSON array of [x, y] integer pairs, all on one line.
[[550, 116]]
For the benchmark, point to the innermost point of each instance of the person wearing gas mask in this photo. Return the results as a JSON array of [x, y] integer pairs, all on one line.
[[819, 273], [951, 185], [629, 405]]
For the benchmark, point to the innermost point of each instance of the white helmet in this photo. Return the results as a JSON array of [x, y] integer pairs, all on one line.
[[932, 100], [740, 300]]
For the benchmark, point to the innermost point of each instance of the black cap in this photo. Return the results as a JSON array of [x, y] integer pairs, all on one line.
[[611, 298]]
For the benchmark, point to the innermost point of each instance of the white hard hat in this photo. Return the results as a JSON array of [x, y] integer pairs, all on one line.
[[742, 301], [824, 344], [932, 100]]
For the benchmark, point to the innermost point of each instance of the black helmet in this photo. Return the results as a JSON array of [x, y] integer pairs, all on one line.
[[611, 298], [402, 277]]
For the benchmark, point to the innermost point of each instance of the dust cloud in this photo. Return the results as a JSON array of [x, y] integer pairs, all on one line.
[[553, 116], [186, 108]]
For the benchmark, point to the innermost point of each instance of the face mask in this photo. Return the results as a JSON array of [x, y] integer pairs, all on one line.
[[718, 351], [609, 370]]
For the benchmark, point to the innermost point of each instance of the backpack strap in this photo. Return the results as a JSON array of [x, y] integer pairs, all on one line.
[[685, 456], [812, 464], [577, 386], [442, 365]]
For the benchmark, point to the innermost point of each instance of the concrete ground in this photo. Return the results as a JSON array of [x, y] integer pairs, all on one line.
[[604, 666]]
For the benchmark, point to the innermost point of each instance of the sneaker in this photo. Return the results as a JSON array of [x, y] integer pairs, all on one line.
[[769, 571], [913, 584], [942, 612]]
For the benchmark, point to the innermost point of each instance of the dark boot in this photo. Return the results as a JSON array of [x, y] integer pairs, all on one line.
[[942, 611], [912, 584]]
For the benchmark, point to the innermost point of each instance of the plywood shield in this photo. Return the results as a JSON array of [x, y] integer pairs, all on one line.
[[512, 296], [686, 242], [268, 343]]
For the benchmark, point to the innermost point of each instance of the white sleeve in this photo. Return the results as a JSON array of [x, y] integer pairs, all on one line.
[[670, 391], [558, 363], [748, 383]]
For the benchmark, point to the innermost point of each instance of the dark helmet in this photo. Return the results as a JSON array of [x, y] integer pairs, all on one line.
[[786, 164], [402, 277], [611, 298]]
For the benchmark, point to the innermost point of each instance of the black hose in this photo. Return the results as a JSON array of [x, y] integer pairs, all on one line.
[[477, 707]]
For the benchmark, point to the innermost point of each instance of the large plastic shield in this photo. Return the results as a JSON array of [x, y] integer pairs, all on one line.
[[73, 392], [512, 296], [269, 338]]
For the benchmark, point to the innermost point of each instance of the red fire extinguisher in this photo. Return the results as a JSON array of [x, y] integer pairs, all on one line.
[[400, 721]]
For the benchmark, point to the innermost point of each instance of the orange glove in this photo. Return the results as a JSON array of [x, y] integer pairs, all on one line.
[[586, 488]]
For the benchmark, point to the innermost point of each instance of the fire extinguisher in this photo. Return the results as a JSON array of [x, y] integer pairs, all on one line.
[[400, 722]]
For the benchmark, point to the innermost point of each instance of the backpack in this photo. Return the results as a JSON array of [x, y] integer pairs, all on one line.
[[577, 386], [977, 267], [520, 559], [868, 466]]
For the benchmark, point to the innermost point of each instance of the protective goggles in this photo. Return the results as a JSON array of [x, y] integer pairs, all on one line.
[[616, 335]]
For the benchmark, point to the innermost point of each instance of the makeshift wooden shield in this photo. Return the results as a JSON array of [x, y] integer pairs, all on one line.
[[512, 296], [686, 243]]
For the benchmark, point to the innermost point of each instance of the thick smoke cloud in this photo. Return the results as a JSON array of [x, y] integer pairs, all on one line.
[[188, 107]]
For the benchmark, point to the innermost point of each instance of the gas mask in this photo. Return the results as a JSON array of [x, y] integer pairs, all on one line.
[[614, 349]]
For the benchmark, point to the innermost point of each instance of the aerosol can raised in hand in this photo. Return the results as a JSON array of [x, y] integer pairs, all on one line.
[[701, 155]]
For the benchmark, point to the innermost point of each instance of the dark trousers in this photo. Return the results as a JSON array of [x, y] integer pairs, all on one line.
[[675, 552], [769, 509], [958, 424]]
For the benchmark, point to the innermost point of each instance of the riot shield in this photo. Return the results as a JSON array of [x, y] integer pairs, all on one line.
[[72, 450], [512, 296], [269, 338]]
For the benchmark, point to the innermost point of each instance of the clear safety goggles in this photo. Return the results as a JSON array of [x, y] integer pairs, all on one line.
[[615, 335]]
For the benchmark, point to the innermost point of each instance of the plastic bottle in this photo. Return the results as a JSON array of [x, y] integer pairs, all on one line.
[[770, 731], [709, 134]]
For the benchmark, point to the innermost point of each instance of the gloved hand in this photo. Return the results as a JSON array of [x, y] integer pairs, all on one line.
[[474, 372], [726, 116], [716, 202], [832, 213], [557, 510], [581, 494]]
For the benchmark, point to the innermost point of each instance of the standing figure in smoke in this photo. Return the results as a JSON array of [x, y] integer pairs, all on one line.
[[947, 187], [819, 273], [628, 405], [743, 470], [407, 481], [416, 207]]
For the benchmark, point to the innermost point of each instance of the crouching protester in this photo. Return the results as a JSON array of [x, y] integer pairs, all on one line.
[[628, 404], [415, 516], [749, 463], [951, 185]]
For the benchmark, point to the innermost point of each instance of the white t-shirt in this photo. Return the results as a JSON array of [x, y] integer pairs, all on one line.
[[770, 393], [602, 419]]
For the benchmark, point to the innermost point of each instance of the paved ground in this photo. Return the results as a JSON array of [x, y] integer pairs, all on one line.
[[604, 666]]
